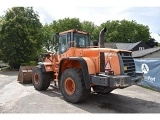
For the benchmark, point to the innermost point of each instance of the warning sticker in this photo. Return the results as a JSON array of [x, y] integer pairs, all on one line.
[[108, 65]]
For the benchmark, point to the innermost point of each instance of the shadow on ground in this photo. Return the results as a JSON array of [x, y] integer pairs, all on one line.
[[111, 103]]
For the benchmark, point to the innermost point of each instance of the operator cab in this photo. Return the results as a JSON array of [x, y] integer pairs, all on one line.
[[72, 38]]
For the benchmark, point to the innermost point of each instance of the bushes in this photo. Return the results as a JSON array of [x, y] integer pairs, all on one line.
[[30, 63], [4, 66]]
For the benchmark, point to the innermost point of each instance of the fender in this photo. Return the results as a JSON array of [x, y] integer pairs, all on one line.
[[45, 66], [85, 71]]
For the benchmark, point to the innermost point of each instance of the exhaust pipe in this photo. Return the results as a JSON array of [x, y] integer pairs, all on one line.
[[101, 37]]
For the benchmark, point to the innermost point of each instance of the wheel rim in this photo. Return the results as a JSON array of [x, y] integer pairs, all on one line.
[[69, 86], [36, 78]]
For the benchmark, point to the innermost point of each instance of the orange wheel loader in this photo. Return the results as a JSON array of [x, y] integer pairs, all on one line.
[[78, 66]]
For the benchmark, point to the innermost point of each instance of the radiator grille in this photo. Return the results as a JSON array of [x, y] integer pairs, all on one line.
[[128, 62]]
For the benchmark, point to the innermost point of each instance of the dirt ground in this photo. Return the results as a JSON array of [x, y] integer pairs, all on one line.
[[23, 98]]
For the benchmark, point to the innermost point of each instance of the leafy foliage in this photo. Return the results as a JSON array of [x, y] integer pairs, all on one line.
[[21, 36], [89, 27], [66, 24], [117, 31], [125, 31], [58, 26], [1, 23], [47, 39], [151, 43]]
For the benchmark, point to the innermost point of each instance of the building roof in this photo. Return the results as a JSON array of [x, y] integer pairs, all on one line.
[[123, 46], [145, 52]]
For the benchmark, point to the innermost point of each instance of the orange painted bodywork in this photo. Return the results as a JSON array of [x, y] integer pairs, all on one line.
[[82, 32], [52, 63], [90, 55]]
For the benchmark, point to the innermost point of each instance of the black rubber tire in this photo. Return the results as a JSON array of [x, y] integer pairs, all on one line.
[[101, 90], [80, 93], [44, 79]]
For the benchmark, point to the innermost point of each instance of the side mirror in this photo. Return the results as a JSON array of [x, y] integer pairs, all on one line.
[[47, 55]]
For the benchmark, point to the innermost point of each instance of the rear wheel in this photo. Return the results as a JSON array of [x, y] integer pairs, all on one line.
[[72, 85], [41, 80]]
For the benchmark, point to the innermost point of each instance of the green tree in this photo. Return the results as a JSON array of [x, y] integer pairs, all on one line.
[[21, 36], [125, 31], [117, 31], [66, 24], [89, 27], [58, 26], [152, 43], [1, 23], [47, 37]]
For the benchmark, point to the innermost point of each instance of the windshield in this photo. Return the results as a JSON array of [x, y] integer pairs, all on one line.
[[81, 40]]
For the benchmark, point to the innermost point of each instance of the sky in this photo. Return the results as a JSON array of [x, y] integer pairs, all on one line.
[[144, 12]]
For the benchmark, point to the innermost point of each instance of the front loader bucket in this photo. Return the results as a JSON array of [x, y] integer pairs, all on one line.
[[25, 74]]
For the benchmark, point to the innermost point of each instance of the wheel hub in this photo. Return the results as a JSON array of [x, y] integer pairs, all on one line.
[[69, 86], [36, 78]]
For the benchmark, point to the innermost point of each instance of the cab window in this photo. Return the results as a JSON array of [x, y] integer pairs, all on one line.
[[81, 40], [62, 43]]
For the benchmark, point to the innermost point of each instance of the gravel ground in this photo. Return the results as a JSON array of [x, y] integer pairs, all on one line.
[[23, 98]]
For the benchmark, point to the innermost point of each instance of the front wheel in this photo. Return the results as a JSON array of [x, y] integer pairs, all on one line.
[[41, 80], [72, 85]]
